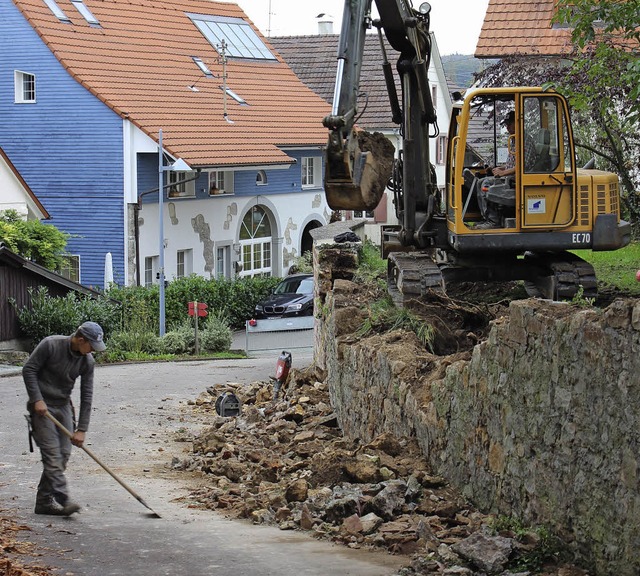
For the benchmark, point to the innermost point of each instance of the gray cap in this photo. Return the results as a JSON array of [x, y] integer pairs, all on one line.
[[93, 334]]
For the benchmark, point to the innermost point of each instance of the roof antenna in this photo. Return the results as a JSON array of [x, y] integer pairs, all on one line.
[[223, 57]]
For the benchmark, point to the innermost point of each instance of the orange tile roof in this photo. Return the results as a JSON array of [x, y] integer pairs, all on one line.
[[521, 28], [139, 63]]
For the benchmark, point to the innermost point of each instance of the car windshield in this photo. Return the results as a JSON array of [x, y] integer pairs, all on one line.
[[295, 286]]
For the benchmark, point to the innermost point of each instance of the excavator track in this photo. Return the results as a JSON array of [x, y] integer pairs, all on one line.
[[412, 275], [565, 275]]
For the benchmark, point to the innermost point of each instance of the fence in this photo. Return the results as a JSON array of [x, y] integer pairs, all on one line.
[[279, 334]]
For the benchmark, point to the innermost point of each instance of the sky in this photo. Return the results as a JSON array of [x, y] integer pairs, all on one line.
[[456, 23]]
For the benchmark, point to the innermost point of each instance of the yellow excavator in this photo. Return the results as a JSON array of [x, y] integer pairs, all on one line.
[[514, 203]]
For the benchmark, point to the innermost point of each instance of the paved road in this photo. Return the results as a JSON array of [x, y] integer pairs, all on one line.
[[136, 410]]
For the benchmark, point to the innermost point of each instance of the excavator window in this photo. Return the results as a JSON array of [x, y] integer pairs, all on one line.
[[542, 134]]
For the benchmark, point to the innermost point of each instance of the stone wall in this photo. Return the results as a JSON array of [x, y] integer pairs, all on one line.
[[541, 421]]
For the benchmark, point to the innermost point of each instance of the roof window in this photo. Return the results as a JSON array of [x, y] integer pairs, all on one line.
[[85, 12], [235, 96], [240, 39], [203, 67], [57, 11]]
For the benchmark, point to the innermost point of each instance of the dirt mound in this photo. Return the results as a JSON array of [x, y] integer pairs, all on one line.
[[287, 464]]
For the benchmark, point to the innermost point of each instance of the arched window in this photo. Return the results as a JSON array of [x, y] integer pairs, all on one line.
[[261, 178], [255, 243]]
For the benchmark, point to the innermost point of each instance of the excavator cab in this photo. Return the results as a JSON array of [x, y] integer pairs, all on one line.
[[526, 135], [544, 202]]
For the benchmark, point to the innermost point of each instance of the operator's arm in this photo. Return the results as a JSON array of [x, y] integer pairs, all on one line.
[[30, 372], [501, 172], [86, 395], [86, 398]]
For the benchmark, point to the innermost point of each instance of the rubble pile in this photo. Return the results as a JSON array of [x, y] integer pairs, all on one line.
[[286, 463]]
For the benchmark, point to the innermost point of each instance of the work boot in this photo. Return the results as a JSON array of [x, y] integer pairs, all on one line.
[[54, 508], [486, 225], [70, 508]]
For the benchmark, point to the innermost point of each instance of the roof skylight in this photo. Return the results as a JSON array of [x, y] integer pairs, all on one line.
[[239, 99], [203, 67], [240, 39], [85, 12], [57, 11]]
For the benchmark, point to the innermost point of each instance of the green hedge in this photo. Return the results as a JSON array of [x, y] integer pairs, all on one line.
[[62, 315], [135, 309]]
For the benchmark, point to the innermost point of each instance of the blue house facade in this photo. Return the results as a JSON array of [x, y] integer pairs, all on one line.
[[84, 135], [66, 144]]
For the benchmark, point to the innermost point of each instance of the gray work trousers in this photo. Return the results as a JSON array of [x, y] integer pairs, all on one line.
[[55, 449]]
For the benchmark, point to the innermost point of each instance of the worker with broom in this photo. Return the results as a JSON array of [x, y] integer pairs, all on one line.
[[50, 374]]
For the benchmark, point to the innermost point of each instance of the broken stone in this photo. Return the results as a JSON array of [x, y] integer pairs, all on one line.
[[210, 441], [297, 491], [352, 524], [363, 470], [386, 474], [283, 514], [203, 398], [386, 443], [306, 518], [341, 508], [329, 421], [414, 488], [390, 500], [304, 436], [370, 522], [489, 553], [458, 571]]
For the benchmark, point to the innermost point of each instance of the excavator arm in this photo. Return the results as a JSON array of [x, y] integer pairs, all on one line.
[[359, 164]]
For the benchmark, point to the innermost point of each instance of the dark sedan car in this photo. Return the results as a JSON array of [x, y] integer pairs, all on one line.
[[292, 297]]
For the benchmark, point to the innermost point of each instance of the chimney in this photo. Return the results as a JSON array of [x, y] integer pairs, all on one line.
[[325, 23]]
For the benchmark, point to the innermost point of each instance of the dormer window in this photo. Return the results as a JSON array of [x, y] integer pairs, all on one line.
[[240, 39], [181, 184], [220, 182]]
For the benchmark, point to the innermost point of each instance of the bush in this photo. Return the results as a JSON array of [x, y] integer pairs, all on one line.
[[136, 341], [216, 335], [62, 315], [180, 340], [135, 309]]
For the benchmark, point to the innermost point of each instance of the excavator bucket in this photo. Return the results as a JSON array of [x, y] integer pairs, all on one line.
[[357, 174]]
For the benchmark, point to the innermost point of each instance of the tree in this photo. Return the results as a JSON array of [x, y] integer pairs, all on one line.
[[601, 79], [42, 243]]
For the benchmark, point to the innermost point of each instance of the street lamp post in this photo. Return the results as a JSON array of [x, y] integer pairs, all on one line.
[[181, 166], [161, 231]]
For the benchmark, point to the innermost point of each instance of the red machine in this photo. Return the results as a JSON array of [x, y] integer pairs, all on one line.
[[283, 365]]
